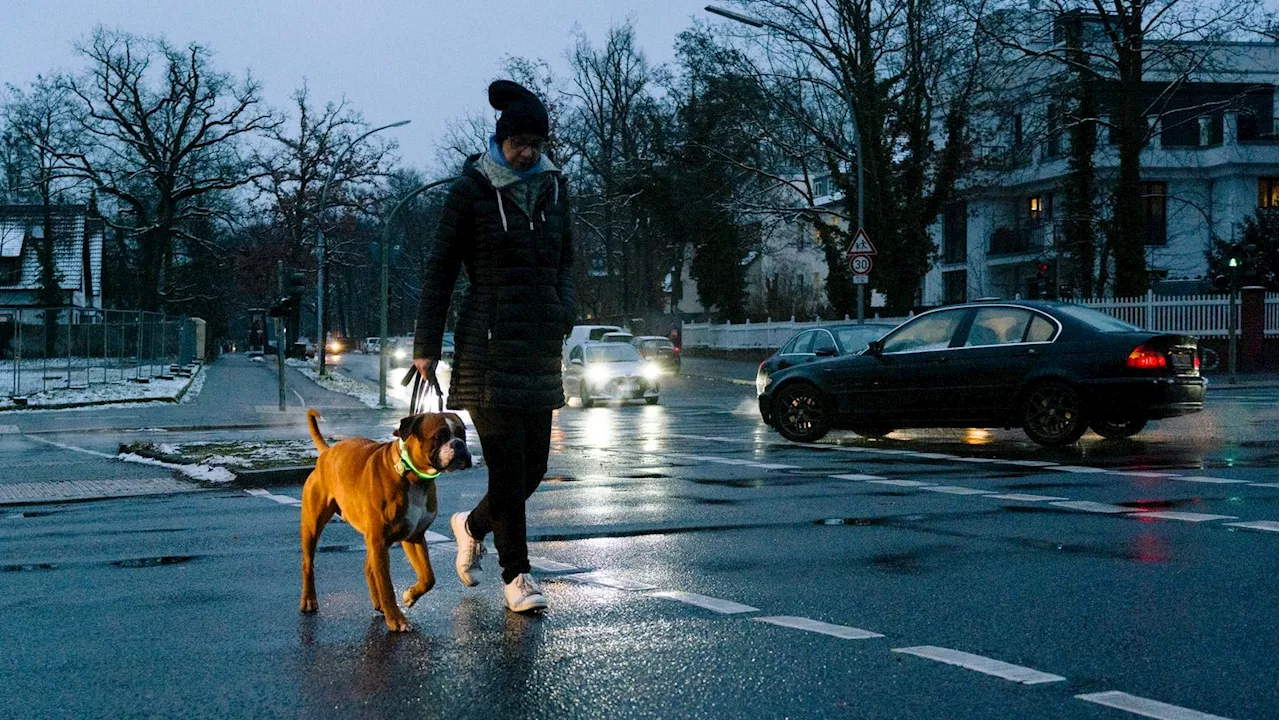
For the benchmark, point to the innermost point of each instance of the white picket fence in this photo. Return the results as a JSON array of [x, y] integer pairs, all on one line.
[[1199, 315]]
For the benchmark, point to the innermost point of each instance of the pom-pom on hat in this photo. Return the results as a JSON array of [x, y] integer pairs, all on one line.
[[522, 111]]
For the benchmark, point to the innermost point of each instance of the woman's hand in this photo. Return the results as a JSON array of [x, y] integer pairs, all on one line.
[[427, 369]]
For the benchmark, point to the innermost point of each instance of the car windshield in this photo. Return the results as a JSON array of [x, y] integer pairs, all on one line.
[[613, 352], [856, 339], [1096, 320]]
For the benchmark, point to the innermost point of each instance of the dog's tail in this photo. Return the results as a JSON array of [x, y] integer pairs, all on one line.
[[313, 425]]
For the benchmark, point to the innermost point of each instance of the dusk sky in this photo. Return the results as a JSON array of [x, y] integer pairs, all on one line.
[[427, 61]]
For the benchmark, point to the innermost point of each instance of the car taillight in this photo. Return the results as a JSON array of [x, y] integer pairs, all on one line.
[[1145, 358], [1195, 361]]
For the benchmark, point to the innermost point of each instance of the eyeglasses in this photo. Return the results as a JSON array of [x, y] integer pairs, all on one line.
[[529, 143]]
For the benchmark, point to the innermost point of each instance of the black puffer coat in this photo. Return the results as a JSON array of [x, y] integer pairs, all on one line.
[[520, 303]]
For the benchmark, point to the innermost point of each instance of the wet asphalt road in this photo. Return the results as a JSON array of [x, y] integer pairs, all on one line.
[[186, 605]]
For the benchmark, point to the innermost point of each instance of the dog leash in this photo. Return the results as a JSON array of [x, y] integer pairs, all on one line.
[[418, 403]]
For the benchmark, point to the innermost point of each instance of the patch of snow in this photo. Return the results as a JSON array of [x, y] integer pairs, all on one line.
[[197, 472], [366, 393], [102, 395], [197, 384], [226, 460]]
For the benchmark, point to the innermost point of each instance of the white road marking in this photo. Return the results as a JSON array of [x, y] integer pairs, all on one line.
[[1030, 463], [800, 623], [855, 476], [955, 490], [8, 429], [1145, 707], [1142, 473], [72, 448], [1200, 479], [901, 483], [1271, 525], [979, 460], [1076, 469], [1265, 485], [549, 565], [725, 607], [1189, 517], [599, 578], [1094, 507], [986, 665], [1025, 498], [434, 537], [267, 494]]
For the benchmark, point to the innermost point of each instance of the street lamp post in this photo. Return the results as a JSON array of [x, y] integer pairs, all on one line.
[[320, 249], [853, 114], [386, 242]]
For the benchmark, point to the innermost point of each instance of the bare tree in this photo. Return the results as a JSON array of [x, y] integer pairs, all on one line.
[[164, 134]]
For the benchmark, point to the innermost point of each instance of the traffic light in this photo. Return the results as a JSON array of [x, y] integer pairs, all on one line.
[[284, 307], [295, 283]]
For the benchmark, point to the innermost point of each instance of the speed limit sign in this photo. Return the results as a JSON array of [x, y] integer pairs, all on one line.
[[860, 264]]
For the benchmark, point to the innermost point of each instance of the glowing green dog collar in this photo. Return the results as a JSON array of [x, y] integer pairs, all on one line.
[[405, 462]]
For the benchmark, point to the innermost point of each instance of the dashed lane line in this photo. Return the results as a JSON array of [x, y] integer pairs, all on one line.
[[1270, 525], [1185, 516], [609, 581], [1146, 707], [724, 607], [901, 483], [1215, 480], [801, 623], [268, 495], [855, 476], [985, 665]]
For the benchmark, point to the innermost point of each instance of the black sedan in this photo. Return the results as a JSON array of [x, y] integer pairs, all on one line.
[[820, 343], [1054, 369]]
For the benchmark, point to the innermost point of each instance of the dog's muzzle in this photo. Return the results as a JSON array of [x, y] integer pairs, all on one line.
[[453, 455]]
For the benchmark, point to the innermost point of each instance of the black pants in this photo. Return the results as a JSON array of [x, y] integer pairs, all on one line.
[[515, 446]]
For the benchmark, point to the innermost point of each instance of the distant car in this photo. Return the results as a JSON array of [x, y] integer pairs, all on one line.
[[610, 371], [399, 351], [584, 333], [372, 345], [821, 343], [658, 349], [617, 337], [1055, 369]]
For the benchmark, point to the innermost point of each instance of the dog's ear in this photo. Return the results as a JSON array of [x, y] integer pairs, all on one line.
[[456, 425], [407, 427]]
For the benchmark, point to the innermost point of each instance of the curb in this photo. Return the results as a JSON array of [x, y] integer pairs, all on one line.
[[272, 476], [735, 381]]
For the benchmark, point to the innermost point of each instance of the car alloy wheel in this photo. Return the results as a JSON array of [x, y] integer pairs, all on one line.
[[800, 413], [1052, 414], [1118, 429]]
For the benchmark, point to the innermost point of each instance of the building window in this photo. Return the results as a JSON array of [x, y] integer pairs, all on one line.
[[1039, 208], [1268, 193], [10, 270], [1154, 196], [955, 286], [955, 233]]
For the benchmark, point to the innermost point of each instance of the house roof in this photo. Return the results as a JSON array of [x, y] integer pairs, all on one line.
[[72, 224]]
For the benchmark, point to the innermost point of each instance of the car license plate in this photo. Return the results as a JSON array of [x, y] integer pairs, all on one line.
[[1183, 360]]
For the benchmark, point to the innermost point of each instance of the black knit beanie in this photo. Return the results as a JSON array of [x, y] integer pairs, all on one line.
[[522, 111]]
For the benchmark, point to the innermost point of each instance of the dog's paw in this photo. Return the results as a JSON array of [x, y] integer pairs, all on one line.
[[409, 598], [308, 605], [398, 624]]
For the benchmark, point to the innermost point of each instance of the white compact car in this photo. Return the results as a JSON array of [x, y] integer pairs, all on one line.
[[599, 372]]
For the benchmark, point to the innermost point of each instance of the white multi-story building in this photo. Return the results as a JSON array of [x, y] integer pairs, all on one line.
[[1211, 163]]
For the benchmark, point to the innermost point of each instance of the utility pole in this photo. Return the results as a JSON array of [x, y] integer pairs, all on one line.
[[280, 332]]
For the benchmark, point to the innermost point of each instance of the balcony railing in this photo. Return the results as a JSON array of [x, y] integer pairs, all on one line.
[[1018, 240]]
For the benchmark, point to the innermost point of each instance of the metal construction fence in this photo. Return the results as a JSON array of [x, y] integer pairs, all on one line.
[[1203, 316], [43, 349]]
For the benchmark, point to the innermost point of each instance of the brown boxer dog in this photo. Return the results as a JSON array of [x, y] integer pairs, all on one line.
[[386, 491]]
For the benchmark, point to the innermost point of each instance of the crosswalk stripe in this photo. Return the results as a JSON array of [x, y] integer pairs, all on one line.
[[1146, 707], [955, 490], [855, 476], [549, 565], [1025, 498], [985, 665], [724, 607], [1090, 506], [1188, 517], [1201, 479], [1271, 525], [605, 580], [801, 623], [901, 483]]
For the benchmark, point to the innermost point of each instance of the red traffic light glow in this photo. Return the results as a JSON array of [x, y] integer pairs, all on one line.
[[1144, 358]]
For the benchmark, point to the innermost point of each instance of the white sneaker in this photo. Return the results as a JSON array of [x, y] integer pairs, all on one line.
[[524, 594], [469, 551]]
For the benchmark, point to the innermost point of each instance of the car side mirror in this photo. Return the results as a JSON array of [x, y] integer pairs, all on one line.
[[575, 361], [875, 347], [825, 352]]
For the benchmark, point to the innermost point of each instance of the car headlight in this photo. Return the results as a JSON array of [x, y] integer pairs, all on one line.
[[598, 374], [652, 372], [762, 383], [401, 354]]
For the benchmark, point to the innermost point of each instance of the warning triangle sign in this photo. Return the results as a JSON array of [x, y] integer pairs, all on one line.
[[861, 244]]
